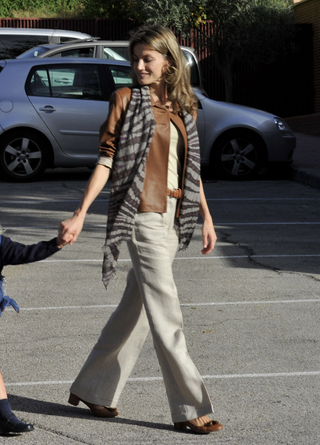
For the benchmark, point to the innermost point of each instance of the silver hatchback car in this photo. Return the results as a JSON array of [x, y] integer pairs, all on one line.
[[51, 111]]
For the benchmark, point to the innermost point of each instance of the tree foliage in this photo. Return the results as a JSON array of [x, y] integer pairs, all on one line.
[[182, 15], [122, 9], [37, 8], [250, 31], [111, 9]]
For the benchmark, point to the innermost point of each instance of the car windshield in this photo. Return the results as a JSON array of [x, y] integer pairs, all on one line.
[[33, 52]]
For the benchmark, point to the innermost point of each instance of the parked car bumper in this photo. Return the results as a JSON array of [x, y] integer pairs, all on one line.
[[280, 146]]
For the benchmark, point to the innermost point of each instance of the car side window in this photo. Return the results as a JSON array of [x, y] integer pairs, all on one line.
[[76, 52], [123, 51], [122, 76], [38, 84], [109, 53], [72, 81]]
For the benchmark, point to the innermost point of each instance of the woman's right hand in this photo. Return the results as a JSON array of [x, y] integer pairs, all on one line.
[[70, 229]]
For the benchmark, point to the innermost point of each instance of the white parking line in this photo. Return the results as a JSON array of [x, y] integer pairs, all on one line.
[[48, 201], [222, 257], [271, 223], [263, 199], [194, 304], [157, 379], [216, 223]]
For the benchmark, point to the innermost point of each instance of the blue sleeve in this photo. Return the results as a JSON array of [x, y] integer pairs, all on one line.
[[13, 253]]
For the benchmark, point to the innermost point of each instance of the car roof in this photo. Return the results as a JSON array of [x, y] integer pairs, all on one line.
[[71, 60], [89, 41], [50, 47], [43, 32]]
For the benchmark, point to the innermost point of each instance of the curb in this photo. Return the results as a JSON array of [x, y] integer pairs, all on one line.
[[307, 177]]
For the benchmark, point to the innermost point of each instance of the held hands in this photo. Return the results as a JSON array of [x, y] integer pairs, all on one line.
[[69, 230], [209, 236], [60, 243]]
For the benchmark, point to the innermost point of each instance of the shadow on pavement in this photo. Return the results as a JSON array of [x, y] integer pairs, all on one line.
[[272, 172], [28, 405]]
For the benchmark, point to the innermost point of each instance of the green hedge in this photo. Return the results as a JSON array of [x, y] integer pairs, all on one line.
[[9, 7]]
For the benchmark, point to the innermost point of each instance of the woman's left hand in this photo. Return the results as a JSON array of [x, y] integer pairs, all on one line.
[[209, 236]]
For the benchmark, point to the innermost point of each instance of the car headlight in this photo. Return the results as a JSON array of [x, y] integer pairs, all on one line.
[[280, 124]]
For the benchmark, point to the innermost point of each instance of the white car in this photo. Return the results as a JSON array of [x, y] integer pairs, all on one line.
[[15, 40], [51, 111]]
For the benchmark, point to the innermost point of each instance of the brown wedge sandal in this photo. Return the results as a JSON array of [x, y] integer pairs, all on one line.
[[207, 428], [97, 410]]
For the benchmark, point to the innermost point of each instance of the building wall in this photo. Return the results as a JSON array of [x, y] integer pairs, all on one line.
[[308, 11]]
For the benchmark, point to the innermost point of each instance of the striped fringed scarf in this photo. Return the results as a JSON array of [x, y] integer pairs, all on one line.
[[128, 177]]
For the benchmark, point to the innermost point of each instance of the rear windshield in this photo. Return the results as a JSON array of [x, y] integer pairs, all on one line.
[[123, 51], [12, 45], [33, 52], [195, 78]]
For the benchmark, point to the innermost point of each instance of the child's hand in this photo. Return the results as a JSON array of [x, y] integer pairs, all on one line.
[[60, 242], [70, 228], [7, 301]]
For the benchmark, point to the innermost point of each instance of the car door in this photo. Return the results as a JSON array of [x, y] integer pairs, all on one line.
[[72, 100]]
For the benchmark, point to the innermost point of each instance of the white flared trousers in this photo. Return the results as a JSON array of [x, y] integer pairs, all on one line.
[[150, 302]]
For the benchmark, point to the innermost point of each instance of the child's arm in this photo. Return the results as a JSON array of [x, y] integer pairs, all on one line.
[[16, 253]]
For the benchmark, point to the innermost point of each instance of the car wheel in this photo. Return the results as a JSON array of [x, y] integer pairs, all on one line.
[[22, 156], [238, 156]]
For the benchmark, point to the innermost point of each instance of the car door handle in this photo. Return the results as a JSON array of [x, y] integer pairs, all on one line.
[[47, 109]]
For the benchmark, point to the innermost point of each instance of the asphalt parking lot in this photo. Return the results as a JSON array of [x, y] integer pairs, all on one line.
[[251, 313]]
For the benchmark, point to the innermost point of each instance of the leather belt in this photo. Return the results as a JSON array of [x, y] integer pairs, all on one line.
[[176, 193]]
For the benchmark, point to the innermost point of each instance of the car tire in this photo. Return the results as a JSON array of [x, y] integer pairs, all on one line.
[[23, 156], [238, 156]]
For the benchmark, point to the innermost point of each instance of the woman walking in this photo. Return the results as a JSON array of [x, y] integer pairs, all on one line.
[[150, 143]]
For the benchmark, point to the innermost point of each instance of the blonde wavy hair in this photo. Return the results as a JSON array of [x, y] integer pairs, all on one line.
[[177, 76]]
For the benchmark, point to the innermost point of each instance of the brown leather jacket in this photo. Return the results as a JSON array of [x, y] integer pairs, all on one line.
[[154, 193]]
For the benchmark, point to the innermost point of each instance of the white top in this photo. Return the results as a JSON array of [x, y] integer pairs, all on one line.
[[175, 156]]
